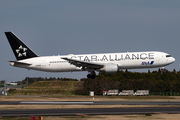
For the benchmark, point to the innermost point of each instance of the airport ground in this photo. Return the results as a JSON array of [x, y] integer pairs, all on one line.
[[42, 92], [105, 117], [118, 117], [164, 116], [86, 98]]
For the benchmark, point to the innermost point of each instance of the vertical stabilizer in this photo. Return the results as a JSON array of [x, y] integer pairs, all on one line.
[[21, 50]]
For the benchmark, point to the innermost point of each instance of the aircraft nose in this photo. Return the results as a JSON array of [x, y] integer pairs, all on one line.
[[173, 60]]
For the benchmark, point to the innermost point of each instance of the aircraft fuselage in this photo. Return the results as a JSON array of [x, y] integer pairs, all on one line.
[[129, 60]]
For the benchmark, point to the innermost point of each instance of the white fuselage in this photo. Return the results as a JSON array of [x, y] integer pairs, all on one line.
[[129, 60]]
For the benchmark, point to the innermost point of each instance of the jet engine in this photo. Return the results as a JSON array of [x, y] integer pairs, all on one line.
[[110, 68]]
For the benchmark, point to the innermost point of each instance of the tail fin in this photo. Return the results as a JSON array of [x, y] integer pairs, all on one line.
[[21, 51]]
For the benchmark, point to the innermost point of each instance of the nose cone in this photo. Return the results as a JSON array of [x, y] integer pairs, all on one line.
[[173, 60]]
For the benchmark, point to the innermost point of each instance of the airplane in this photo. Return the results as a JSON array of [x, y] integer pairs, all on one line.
[[107, 62]]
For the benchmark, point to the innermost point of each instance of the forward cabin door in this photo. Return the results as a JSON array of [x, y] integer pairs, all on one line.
[[158, 58], [43, 63]]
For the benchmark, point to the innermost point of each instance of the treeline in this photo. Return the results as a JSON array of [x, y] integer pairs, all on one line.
[[156, 81]]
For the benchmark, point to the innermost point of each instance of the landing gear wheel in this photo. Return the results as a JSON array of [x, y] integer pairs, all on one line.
[[91, 76]]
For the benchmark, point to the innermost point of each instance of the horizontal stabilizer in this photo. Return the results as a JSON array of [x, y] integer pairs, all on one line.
[[18, 63]]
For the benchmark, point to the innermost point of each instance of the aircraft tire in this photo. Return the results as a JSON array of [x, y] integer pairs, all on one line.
[[91, 76]]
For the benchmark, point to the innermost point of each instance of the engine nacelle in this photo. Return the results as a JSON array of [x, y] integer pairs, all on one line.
[[110, 68]]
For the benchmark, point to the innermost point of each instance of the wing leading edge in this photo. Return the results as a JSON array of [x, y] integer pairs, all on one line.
[[84, 64]]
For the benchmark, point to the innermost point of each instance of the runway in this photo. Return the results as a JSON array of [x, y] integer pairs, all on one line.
[[89, 111], [88, 103]]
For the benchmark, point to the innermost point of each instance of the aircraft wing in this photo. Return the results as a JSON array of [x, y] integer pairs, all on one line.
[[84, 64]]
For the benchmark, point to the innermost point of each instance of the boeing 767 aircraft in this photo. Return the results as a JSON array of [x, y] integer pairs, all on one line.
[[107, 62]]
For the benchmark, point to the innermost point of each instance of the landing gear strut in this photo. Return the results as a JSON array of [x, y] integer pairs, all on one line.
[[92, 76]]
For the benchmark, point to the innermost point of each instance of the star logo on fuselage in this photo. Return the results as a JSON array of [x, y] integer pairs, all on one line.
[[21, 51]]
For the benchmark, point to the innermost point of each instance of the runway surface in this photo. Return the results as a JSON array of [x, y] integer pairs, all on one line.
[[88, 103], [89, 111]]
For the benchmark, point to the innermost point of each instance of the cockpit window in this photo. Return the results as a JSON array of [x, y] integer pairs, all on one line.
[[168, 55]]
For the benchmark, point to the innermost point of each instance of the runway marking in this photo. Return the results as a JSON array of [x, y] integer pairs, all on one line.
[[36, 102]]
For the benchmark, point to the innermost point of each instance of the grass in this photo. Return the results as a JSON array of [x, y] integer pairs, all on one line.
[[148, 114], [47, 88]]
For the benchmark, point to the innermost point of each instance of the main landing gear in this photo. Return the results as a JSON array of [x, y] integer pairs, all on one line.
[[91, 74]]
